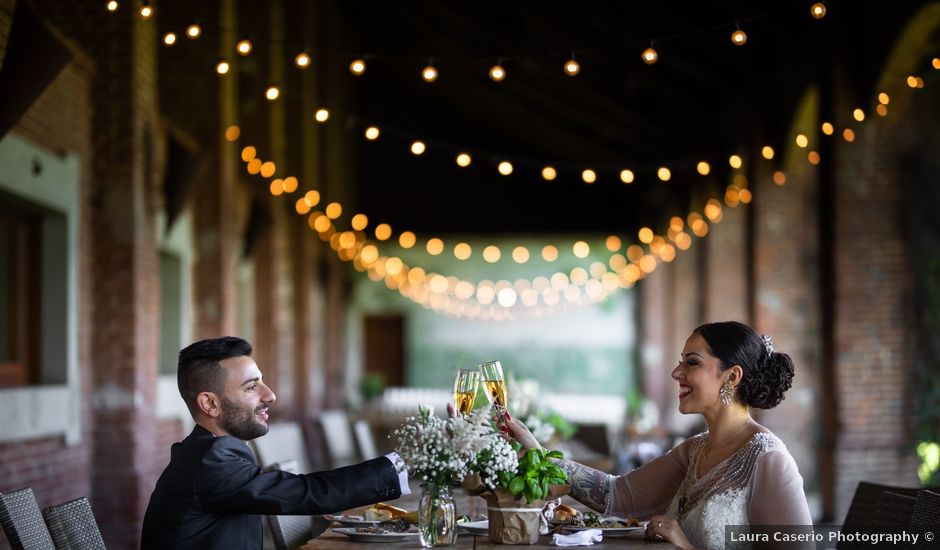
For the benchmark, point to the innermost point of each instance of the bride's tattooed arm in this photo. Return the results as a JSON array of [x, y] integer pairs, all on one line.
[[588, 486]]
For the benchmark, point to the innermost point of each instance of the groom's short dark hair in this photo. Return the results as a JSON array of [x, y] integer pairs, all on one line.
[[199, 369]]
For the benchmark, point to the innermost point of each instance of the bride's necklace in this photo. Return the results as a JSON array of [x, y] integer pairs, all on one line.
[[724, 441]]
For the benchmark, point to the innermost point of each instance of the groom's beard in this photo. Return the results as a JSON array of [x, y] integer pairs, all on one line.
[[241, 422]]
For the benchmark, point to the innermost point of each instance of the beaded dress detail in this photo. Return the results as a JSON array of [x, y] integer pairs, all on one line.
[[704, 506]]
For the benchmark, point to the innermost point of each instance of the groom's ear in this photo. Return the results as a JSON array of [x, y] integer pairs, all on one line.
[[209, 404]]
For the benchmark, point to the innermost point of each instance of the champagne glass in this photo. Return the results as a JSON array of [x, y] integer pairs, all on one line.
[[465, 390], [495, 386]]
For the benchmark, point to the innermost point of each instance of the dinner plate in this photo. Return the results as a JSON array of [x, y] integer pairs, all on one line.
[[351, 521], [375, 537], [610, 531], [475, 527]]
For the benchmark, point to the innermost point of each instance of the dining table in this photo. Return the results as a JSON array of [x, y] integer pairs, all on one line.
[[473, 506]]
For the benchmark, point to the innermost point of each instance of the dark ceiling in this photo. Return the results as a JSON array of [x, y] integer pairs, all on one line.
[[705, 99]]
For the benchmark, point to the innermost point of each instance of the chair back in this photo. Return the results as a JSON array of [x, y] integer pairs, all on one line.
[[926, 510], [289, 532], [894, 510], [73, 526], [338, 437], [364, 439], [875, 505], [284, 441], [22, 521]]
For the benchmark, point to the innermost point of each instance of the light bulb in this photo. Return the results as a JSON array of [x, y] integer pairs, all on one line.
[[549, 173], [112, 6], [372, 133], [417, 147], [664, 173], [464, 160], [589, 176], [169, 38], [650, 55], [735, 161], [193, 31], [827, 128], [146, 10], [767, 152], [738, 37], [818, 10], [357, 67], [571, 67], [222, 67], [244, 46], [497, 73], [703, 168], [429, 73], [626, 176], [505, 168], [272, 93], [858, 115], [322, 115], [302, 60]]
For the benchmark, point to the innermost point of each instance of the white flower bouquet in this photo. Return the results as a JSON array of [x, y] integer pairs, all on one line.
[[443, 451]]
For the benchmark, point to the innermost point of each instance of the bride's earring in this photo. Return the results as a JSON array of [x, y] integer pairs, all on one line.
[[726, 392]]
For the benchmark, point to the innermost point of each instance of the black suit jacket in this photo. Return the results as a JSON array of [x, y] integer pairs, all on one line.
[[212, 492]]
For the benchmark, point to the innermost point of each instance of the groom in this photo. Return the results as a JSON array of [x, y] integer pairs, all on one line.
[[212, 493]]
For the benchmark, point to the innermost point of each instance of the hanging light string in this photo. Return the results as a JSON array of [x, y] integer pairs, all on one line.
[[542, 295], [303, 56]]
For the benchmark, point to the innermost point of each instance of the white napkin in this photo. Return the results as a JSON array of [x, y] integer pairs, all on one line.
[[580, 538]]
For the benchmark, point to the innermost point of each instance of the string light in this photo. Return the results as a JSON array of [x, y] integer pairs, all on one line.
[[802, 141], [735, 161], [429, 73], [232, 133], [858, 115], [882, 110], [505, 168], [244, 47], [767, 152], [818, 10], [848, 135], [146, 10], [372, 133], [650, 56], [935, 62], [272, 93], [589, 176], [779, 177], [417, 148], [222, 67], [738, 37], [322, 115], [407, 239], [357, 67], [703, 168], [883, 98], [549, 173], [827, 128], [193, 31], [112, 6], [169, 38], [626, 176], [664, 173], [463, 160], [302, 60], [497, 72], [572, 68]]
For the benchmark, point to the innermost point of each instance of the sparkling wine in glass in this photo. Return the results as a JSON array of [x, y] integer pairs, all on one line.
[[465, 390], [495, 385]]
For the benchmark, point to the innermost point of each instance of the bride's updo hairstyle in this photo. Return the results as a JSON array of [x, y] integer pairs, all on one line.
[[768, 374]]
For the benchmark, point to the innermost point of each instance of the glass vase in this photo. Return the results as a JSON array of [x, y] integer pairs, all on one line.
[[437, 521]]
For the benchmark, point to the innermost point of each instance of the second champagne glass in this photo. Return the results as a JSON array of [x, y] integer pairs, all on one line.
[[465, 390], [495, 386]]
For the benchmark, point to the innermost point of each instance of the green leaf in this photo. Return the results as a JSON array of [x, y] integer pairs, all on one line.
[[555, 454], [534, 488], [516, 485], [544, 488]]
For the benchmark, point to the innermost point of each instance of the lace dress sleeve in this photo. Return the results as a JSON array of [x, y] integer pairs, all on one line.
[[777, 496], [648, 490]]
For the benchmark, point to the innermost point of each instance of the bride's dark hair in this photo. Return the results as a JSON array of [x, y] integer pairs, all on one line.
[[768, 374]]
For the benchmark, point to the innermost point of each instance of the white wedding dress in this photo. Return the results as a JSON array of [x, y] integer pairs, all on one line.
[[759, 484]]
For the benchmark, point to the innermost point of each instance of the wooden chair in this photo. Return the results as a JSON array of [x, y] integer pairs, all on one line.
[[338, 438], [22, 521], [364, 440], [284, 441], [73, 526]]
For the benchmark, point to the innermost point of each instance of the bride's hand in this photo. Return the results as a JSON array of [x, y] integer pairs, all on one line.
[[518, 431], [665, 528]]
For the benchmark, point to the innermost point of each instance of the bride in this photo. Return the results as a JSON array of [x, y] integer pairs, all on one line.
[[736, 473]]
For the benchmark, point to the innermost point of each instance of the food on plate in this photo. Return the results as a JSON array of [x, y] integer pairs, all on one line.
[[563, 513], [383, 512], [591, 519], [397, 525]]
